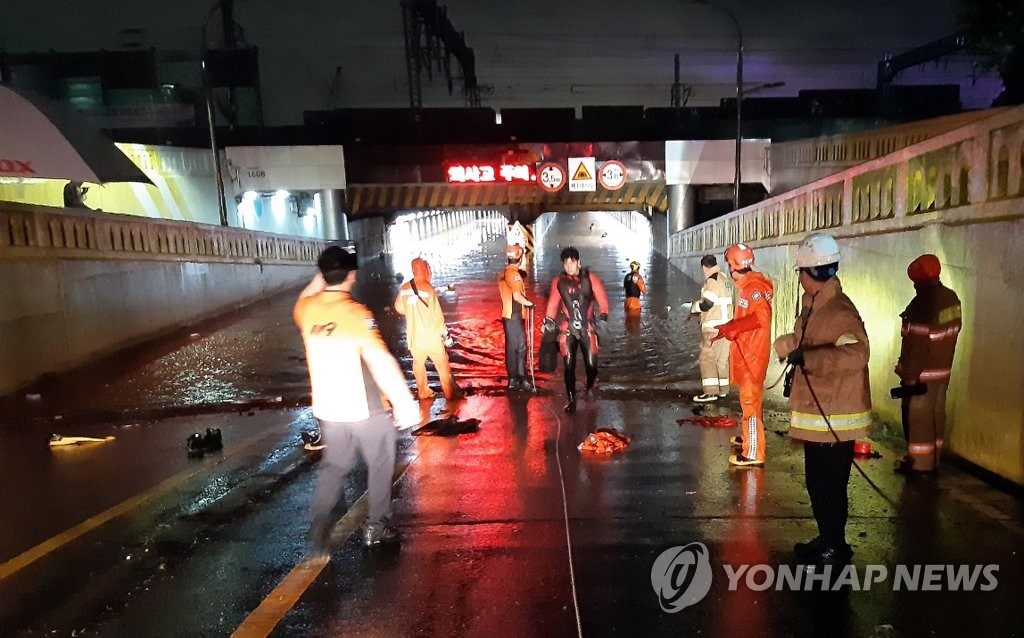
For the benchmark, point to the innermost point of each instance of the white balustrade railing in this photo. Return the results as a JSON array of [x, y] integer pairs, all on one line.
[[27, 231], [974, 164]]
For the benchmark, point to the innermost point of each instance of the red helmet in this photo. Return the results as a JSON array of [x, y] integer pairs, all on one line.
[[924, 268], [739, 257], [514, 252]]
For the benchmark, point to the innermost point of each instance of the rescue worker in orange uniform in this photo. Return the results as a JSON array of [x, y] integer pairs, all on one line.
[[426, 331], [342, 343], [512, 290], [715, 309], [634, 286], [830, 396], [571, 312], [750, 334], [931, 324]]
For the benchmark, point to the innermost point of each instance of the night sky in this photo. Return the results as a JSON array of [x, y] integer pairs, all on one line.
[[317, 54]]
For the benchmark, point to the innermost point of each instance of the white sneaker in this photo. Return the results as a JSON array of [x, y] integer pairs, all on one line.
[[705, 398]]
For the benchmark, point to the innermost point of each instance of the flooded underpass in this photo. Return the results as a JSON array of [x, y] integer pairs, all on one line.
[[509, 531], [254, 356]]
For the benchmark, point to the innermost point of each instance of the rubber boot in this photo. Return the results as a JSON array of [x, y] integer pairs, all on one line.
[[570, 407]]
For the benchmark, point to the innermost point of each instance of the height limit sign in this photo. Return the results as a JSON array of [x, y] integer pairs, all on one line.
[[612, 175]]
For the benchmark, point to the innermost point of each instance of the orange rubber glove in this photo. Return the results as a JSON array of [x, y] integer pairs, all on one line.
[[736, 327]]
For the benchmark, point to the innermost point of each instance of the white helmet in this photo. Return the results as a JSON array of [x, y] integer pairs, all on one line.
[[817, 249]]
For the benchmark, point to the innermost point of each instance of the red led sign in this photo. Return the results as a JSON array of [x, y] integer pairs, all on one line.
[[490, 173]]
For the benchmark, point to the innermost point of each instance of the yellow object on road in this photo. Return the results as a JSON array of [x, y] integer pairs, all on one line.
[[58, 440]]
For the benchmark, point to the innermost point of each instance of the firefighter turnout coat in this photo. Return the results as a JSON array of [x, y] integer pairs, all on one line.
[[833, 381]]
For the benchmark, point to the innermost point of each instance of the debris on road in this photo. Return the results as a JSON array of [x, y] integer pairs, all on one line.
[[605, 441], [58, 440], [708, 421]]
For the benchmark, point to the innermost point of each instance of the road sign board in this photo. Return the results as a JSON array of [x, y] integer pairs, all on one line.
[[612, 175], [551, 177], [582, 175]]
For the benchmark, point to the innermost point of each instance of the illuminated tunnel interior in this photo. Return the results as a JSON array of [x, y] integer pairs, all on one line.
[[656, 352]]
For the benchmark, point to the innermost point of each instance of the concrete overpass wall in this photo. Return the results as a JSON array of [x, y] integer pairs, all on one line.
[[959, 195], [77, 285]]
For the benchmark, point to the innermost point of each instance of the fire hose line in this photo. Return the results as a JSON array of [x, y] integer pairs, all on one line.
[[530, 318], [824, 416], [565, 514]]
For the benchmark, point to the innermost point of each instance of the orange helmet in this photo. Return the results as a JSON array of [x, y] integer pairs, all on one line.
[[739, 257], [514, 252]]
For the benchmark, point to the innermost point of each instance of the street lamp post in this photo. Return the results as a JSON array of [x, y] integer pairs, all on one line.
[[210, 118], [739, 96]]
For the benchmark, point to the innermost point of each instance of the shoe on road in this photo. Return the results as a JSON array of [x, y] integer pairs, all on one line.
[[741, 461], [379, 534]]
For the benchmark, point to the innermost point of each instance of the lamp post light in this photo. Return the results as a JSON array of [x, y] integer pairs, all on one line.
[[210, 118]]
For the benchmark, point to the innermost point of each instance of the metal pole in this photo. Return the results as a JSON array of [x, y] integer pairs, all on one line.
[[739, 97], [208, 94], [739, 118]]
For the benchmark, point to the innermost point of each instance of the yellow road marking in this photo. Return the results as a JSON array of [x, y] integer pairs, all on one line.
[[29, 556], [280, 601]]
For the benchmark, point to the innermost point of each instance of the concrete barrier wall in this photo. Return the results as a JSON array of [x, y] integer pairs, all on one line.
[[960, 196], [75, 286]]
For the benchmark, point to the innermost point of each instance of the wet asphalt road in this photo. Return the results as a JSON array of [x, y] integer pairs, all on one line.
[[487, 546]]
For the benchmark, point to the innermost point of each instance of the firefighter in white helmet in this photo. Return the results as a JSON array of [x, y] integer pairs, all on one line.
[[829, 395]]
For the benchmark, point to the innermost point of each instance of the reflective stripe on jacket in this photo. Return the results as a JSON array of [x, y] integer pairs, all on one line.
[[715, 303], [931, 325], [835, 345]]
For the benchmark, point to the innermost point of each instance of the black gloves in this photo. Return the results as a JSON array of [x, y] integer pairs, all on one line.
[[795, 358], [549, 325]]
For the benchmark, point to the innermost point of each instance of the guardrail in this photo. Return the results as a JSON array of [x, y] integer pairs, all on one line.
[[37, 231], [977, 163], [854, 148]]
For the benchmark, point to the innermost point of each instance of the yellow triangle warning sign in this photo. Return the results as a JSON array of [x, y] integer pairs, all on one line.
[[582, 173]]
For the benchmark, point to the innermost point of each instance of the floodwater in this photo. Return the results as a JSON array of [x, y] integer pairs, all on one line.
[[254, 357]]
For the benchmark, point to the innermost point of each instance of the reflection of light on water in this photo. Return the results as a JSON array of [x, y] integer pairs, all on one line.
[[423, 234], [215, 488]]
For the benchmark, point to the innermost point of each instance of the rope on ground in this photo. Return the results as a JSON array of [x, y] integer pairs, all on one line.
[[565, 514]]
